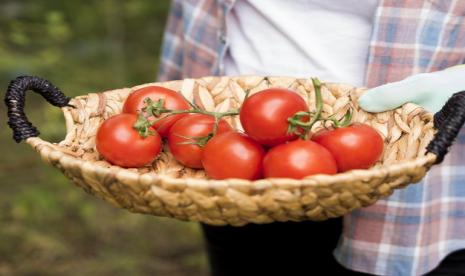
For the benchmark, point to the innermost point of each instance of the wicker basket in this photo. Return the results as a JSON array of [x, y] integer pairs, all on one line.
[[168, 189]]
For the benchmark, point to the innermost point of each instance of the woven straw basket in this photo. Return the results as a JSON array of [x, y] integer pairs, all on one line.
[[168, 189]]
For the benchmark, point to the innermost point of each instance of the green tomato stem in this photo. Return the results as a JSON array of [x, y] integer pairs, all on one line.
[[157, 108], [296, 120]]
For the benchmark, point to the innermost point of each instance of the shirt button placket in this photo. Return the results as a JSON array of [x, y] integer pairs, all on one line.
[[222, 37], [223, 40]]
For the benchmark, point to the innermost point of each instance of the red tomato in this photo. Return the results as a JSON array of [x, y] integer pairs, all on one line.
[[264, 115], [358, 146], [192, 126], [173, 100], [120, 144], [298, 159], [233, 155]]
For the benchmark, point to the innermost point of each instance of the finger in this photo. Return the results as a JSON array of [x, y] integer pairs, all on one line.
[[393, 95]]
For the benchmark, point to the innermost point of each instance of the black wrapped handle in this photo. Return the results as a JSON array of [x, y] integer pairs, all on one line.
[[448, 121], [15, 102]]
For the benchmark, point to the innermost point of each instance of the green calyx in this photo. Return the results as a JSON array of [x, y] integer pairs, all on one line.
[[143, 126], [302, 122], [198, 141], [345, 121]]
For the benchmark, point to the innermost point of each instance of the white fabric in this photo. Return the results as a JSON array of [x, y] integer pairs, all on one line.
[[327, 39]]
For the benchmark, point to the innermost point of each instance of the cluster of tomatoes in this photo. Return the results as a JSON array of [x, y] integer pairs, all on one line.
[[277, 141]]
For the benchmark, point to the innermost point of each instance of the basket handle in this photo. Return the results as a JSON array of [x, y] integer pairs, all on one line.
[[448, 121], [15, 102]]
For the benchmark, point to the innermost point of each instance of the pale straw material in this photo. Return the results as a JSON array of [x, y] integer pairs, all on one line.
[[168, 189]]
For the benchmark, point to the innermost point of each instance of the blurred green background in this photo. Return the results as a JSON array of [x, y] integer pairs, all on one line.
[[47, 225]]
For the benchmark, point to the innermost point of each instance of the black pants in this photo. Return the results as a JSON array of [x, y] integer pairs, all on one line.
[[288, 248]]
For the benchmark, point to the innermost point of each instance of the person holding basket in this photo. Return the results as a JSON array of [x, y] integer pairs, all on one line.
[[403, 51]]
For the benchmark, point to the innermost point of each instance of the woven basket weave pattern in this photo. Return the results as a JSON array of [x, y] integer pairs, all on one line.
[[166, 188]]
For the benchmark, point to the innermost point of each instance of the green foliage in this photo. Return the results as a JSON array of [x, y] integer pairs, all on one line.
[[49, 226]]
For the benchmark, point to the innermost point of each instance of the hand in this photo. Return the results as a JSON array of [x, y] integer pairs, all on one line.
[[429, 90]]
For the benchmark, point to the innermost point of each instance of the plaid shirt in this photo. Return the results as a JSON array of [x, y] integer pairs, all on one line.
[[410, 232]]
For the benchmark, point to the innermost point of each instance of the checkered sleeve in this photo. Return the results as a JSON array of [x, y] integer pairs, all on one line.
[[171, 60]]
